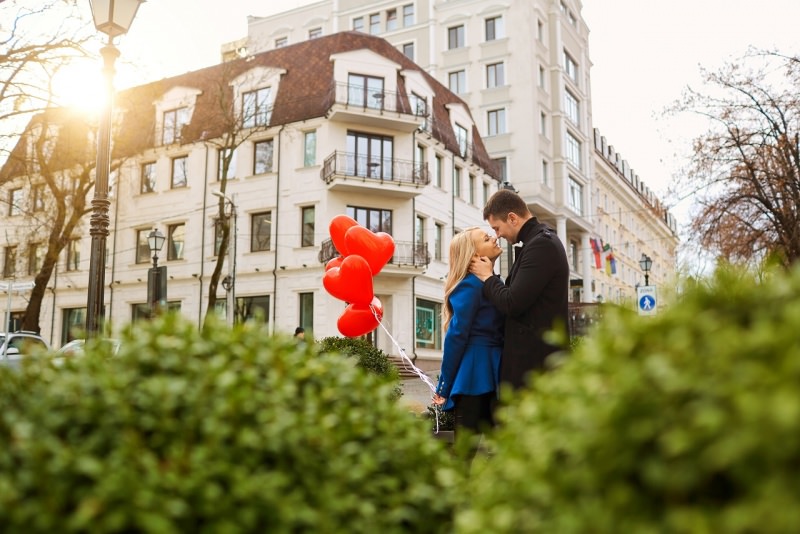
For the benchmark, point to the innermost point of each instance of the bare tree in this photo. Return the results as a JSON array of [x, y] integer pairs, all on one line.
[[745, 170]]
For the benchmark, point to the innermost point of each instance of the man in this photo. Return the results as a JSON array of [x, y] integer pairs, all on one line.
[[300, 332], [535, 294]]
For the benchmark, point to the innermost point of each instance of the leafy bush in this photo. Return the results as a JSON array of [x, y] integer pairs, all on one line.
[[684, 422], [227, 430], [447, 420], [368, 357]]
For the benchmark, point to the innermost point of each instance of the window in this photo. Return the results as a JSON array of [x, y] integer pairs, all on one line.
[[260, 231], [256, 110], [375, 23], [457, 81], [495, 75], [142, 246], [310, 148], [315, 33], [573, 151], [408, 15], [373, 219], [307, 238], [471, 191], [485, 193], [573, 254], [428, 328], [174, 121], [176, 241], [280, 42], [572, 108], [575, 195], [438, 238], [10, 262], [391, 20], [542, 77], [570, 67], [37, 192], [35, 258], [252, 309], [306, 318], [148, 178], [497, 121], [502, 168], [262, 160], [15, 202], [545, 173], [408, 50], [365, 91], [419, 106], [457, 182], [540, 31], [419, 231], [143, 312], [543, 123], [438, 170], [222, 155], [74, 320], [455, 37], [73, 254], [358, 24], [461, 137], [494, 28], [369, 155], [179, 172], [218, 231]]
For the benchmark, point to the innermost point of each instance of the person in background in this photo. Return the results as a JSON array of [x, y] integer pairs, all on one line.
[[473, 337], [535, 294], [300, 332]]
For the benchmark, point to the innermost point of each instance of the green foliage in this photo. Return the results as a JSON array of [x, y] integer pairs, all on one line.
[[447, 420], [684, 422], [368, 357], [224, 430]]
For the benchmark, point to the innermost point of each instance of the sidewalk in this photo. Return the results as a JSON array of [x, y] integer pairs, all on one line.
[[416, 393]]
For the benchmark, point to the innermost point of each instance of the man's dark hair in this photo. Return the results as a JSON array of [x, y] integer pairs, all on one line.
[[504, 202], [299, 330]]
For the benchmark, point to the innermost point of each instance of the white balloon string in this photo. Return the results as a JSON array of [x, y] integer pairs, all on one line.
[[408, 364]]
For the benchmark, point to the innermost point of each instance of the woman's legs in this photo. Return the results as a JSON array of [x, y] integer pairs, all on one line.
[[474, 414]]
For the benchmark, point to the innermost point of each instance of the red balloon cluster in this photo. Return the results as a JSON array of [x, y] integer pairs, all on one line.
[[349, 277]]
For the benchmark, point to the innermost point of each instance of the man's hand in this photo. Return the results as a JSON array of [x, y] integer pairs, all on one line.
[[481, 267]]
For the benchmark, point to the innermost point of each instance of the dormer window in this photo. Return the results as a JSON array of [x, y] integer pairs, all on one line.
[[174, 121], [419, 106], [256, 107], [461, 137], [366, 91]]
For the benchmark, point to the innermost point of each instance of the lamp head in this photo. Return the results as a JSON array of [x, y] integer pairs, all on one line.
[[155, 240], [114, 17], [645, 263]]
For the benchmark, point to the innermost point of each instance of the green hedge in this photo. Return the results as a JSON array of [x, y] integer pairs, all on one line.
[[214, 431], [684, 422], [368, 357]]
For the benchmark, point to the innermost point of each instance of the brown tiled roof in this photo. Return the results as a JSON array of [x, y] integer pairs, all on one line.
[[305, 92]]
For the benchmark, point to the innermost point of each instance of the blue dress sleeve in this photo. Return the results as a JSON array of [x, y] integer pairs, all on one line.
[[465, 300]]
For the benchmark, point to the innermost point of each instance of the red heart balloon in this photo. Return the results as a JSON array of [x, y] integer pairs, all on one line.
[[351, 281], [357, 319], [338, 227], [335, 262], [376, 248]]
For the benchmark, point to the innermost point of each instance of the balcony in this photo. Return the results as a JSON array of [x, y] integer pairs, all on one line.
[[346, 172], [406, 254], [378, 108]]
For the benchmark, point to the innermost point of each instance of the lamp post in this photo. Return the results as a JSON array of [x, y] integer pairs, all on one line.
[[157, 276], [509, 247], [113, 18], [229, 282], [646, 263]]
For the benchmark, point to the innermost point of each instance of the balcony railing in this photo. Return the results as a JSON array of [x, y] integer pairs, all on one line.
[[373, 98], [405, 253], [397, 171]]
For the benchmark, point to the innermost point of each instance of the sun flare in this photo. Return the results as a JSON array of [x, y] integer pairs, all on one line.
[[80, 86]]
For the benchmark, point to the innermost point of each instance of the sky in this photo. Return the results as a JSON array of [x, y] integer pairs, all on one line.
[[643, 53]]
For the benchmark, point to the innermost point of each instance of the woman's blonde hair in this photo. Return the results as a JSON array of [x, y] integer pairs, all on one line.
[[462, 250]]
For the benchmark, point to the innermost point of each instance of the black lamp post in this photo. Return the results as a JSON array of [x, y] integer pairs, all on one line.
[[113, 18], [509, 247], [156, 276], [229, 282], [646, 263]]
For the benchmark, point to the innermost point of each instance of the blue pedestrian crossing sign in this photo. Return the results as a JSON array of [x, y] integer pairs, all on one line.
[[647, 302]]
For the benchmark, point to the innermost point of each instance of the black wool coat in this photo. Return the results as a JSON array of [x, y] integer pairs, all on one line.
[[534, 300]]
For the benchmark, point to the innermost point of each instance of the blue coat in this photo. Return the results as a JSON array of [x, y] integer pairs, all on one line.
[[473, 344]]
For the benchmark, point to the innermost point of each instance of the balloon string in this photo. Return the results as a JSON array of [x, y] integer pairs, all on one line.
[[408, 364]]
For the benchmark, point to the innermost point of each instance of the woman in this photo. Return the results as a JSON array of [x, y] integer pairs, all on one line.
[[473, 338]]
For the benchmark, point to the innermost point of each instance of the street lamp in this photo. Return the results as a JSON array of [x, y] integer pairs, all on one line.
[[646, 263], [229, 283], [156, 276], [509, 247], [113, 18]]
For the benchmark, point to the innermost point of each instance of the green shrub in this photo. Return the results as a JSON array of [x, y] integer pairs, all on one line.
[[684, 422], [224, 430], [368, 357]]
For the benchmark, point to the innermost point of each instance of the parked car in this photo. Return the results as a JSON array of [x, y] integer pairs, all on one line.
[[14, 346], [76, 348]]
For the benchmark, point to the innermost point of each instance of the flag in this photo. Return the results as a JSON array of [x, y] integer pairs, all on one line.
[[596, 250]]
